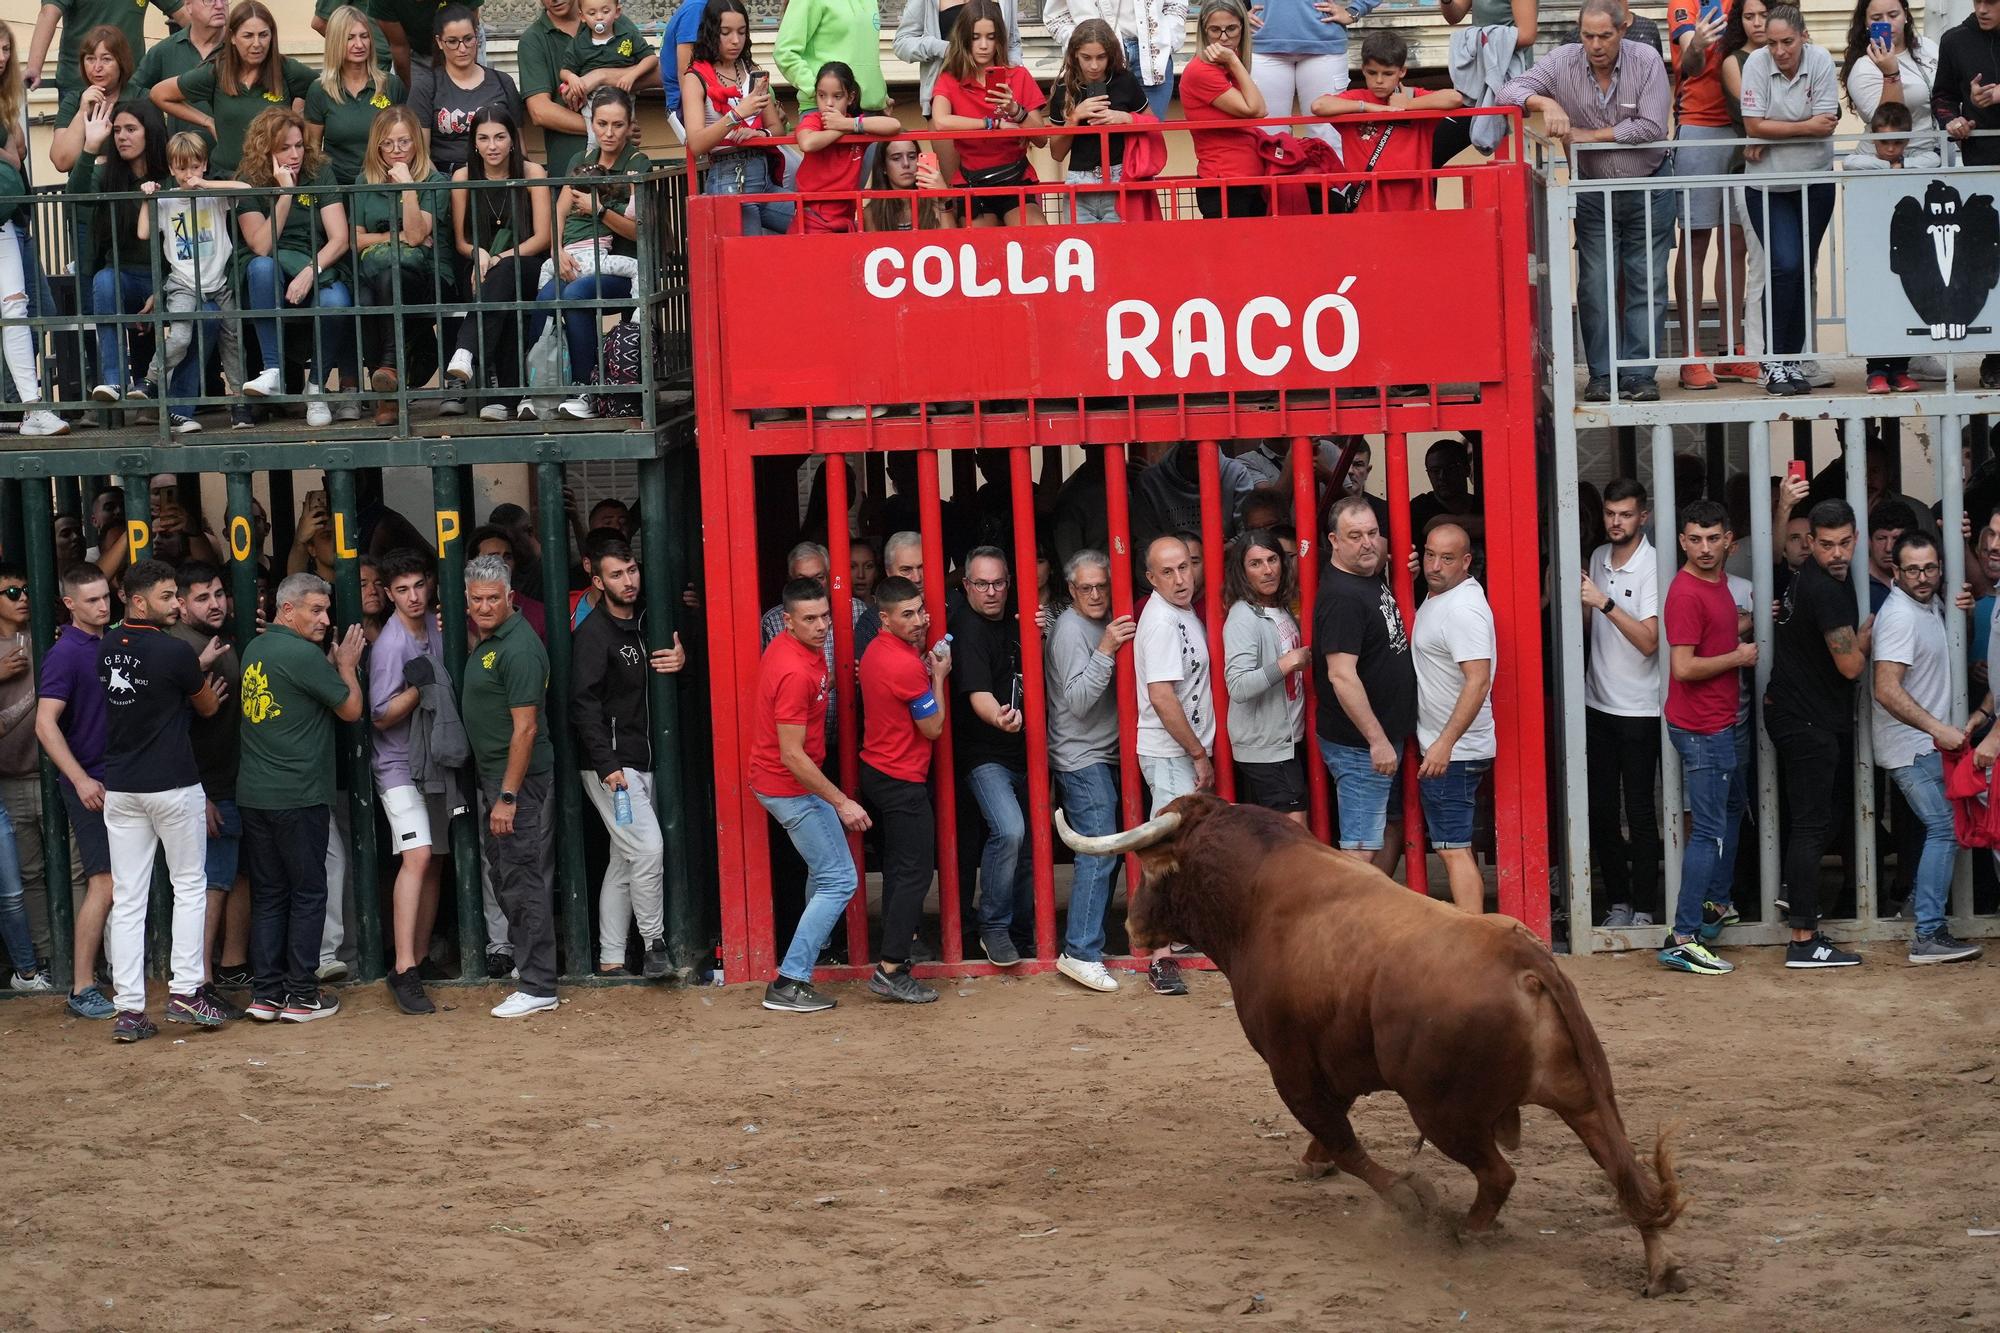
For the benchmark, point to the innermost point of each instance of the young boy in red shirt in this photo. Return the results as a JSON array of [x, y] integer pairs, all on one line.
[[1384, 146]]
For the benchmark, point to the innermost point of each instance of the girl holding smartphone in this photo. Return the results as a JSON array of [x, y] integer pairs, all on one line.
[[1095, 87], [727, 107], [975, 92]]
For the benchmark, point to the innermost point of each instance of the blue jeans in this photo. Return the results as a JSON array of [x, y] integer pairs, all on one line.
[[1451, 802], [13, 907], [116, 291], [225, 849], [1792, 254], [750, 173], [1006, 871], [822, 843], [1710, 774], [1641, 266], [580, 322], [1090, 803], [1158, 95], [264, 282], [1362, 793], [1922, 785]]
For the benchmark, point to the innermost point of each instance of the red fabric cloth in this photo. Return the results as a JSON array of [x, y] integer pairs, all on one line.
[[893, 678], [970, 100], [1702, 615], [1975, 798], [1217, 153], [722, 99], [791, 688], [1145, 159]]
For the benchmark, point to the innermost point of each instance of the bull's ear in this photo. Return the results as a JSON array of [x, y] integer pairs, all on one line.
[[1159, 863]]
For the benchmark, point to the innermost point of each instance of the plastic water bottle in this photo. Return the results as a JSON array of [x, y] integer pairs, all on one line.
[[621, 807]]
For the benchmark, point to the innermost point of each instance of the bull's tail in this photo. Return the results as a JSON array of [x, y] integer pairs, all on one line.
[[1651, 1205]]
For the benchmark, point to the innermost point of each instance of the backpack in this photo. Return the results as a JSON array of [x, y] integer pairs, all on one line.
[[621, 365]]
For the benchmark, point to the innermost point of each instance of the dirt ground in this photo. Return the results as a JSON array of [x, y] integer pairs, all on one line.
[[1021, 1155]]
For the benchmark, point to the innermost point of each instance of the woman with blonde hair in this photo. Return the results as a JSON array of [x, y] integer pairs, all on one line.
[[247, 76], [352, 89], [396, 234], [295, 229]]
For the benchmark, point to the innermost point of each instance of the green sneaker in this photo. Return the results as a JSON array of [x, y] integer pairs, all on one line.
[[1714, 916], [1694, 957]]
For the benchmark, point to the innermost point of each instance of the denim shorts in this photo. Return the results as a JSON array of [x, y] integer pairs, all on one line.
[[225, 846], [86, 827], [1361, 792], [1449, 802]]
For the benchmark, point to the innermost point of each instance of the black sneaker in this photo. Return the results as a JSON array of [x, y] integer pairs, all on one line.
[[408, 992], [241, 417], [1165, 974], [1639, 391], [230, 1012], [311, 1007], [1598, 390], [1819, 951], [234, 978], [656, 964], [1940, 947], [1715, 916], [999, 949], [921, 951], [795, 997], [900, 987], [498, 963]]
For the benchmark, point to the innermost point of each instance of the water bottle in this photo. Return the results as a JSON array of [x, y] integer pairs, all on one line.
[[621, 807]]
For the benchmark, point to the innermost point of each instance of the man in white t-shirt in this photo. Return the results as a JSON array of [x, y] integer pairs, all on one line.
[[1621, 697], [1912, 699], [1176, 702], [1452, 650]]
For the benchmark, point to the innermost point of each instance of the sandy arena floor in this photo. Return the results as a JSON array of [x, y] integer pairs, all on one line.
[[1021, 1155]]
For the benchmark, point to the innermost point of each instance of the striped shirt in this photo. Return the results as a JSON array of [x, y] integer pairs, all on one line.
[[1634, 108]]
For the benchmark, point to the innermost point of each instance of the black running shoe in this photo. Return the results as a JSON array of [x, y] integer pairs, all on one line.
[[795, 997], [900, 987], [1819, 951], [498, 963], [408, 992], [657, 964], [311, 1008], [1165, 974], [229, 1011], [999, 949], [234, 978]]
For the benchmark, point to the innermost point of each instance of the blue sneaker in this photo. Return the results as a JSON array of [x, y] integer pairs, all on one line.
[[1714, 916], [90, 1003], [1693, 957]]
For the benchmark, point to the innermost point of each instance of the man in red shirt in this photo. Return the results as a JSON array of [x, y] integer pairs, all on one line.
[[900, 685], [1705, 631], [1389, 145], [785, 777]]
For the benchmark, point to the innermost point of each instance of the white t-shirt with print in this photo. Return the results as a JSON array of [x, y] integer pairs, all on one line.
[[1172, 646], [1453, 627]]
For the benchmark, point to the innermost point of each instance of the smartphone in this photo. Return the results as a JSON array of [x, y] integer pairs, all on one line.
[[315, 500], [1711, 10], [996, 78], [928, 161], [1098, 89], [1796, 469], [1014, 695], [758, 76], [1880, 33]]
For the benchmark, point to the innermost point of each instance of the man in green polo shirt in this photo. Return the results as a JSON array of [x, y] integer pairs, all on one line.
[[543, 45], [291, 694], [79, 17], [500, 702], [184, 48]]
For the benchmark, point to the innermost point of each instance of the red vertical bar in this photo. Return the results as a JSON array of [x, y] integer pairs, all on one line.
[[1305, 517], [1118, 522], [1417, 876], [1213, 557], [1034, 689], [944, 783], [840, 591]]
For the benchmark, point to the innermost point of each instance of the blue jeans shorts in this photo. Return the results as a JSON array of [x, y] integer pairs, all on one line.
[[1449, 802], [224, 847], [1362, 793]]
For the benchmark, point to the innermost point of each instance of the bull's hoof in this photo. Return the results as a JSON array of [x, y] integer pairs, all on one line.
[[1311, 1169], [1667, 1283], [1412, 1196]]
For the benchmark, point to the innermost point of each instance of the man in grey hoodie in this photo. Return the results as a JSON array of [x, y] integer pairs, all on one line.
[[1083, 750]]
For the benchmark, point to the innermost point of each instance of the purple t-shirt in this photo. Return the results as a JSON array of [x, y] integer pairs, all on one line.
[[394, 648], [69, 673]]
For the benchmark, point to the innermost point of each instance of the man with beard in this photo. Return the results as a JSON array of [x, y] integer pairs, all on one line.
[[204, 616]]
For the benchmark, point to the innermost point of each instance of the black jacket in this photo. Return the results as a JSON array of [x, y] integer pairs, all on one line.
[[1963, 52], [608, 703]]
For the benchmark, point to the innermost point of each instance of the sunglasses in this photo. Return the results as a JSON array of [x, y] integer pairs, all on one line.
[[13, 594]]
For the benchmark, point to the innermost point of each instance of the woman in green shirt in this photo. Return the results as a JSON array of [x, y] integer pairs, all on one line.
[[352, 89], [600, 231], [295, 233], [247, 77], [106, 61], [396, 233]]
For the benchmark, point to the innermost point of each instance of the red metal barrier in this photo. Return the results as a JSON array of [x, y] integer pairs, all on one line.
[[1111, 337]]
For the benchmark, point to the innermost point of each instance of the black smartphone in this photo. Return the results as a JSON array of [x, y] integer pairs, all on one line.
[[1098, 89], [1015, 698]]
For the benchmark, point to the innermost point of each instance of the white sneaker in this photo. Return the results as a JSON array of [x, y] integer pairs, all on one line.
[[37, 983], [460, 367], [43, 422], [493, 412], [1927, 368], [526, 411], [318, 414], [108, 393], [853, 413], [451, 407], [520, 1004], [332, 971], [1813, 373], [1095, 976], [576, 409], [264, 385]]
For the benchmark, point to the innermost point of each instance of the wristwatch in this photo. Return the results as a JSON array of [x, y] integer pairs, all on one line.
[[506, 798]]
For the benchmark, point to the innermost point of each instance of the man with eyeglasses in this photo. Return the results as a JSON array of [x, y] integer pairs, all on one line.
[[1912, 697], [992, 753], [1083, 750]]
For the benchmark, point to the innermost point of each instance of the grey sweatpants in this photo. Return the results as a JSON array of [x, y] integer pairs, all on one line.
[[178, 297]]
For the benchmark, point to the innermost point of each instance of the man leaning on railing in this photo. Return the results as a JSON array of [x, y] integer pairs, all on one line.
[[1601, 91]]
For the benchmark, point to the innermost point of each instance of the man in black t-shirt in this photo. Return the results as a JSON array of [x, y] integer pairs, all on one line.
[[991, 752], [153, 797], [1368, 686], [1819, 652]]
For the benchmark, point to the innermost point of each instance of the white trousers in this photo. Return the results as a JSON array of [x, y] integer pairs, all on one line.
[[635, 874], [1285, 80], [1753, 279], [135, 823], [16, 341]]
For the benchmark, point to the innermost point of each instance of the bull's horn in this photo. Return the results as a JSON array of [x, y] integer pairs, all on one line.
[[1155, 830]]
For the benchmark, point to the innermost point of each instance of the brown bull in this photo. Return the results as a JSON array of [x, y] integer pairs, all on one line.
[[1347, 983]]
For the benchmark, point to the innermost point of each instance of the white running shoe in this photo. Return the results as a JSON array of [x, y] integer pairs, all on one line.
[[1095, 976], [520, 1004], [318, 414], [43, 422], [36, 984], [493, 412], [460, 367], [108, 393], [526, 411], [576, 409], [264, 384]]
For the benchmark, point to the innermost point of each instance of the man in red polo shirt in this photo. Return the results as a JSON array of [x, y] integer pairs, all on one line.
[[900, 685], [785, 777]]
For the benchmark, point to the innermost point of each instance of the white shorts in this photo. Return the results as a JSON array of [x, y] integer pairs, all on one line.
[[412, 815]]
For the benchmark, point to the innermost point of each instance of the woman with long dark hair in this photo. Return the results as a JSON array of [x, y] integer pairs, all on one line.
[[726, 108], [1217, 86], [1900, 69], [978, 90], [1264, 665], [247, 76], [449, 92], [900, 166], [122, 149], [502, 232]]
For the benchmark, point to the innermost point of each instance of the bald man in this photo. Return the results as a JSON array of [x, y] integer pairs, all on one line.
[[1176, 701], [1452, 647]]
